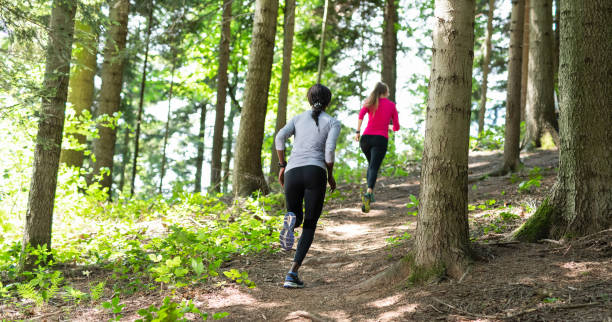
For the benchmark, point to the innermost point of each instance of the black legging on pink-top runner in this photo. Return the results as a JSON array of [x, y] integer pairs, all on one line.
[[304, 196], [375, 148]]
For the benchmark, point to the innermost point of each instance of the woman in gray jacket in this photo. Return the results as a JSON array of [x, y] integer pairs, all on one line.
[[304, 177]]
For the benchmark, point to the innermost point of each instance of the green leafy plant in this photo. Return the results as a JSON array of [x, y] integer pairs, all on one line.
[[74, 295], [414, 205], [115, 308], [239, 277], [95, 292], [397, 240], [535, 178], [172, 311]]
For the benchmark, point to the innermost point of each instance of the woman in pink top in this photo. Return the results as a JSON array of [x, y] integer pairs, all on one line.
[[375, 137]]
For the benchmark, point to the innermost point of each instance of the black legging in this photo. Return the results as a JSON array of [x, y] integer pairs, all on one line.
[[305, 187], [374, 147]]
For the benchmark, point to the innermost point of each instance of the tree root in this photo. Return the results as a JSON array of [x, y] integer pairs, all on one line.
[[396, 274], [306, 315]]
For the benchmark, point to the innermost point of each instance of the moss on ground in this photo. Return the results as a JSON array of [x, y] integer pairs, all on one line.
[[538, 225]]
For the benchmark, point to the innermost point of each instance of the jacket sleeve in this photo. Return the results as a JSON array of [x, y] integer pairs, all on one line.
[[330, 143], [283, 134]]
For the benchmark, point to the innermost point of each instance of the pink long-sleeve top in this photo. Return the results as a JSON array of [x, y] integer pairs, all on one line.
[[378, 122]]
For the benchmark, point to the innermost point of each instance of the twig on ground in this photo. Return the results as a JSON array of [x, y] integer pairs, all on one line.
[[464, 274], [195, 222], [464, 311], [552, 241]]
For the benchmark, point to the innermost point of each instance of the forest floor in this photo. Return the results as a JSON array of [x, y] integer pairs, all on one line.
[[547, 281]]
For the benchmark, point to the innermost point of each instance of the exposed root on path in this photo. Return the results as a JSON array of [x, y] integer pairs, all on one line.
[[305, 315], [396, 275]]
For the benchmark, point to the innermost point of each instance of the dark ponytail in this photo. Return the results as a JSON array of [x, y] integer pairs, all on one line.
[[319, 97]]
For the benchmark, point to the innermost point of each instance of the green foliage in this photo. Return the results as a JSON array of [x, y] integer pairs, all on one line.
[[114, 307], [172, 311], [414, 205], [538, 225], [535, 179], [95, 292], [239, 277], [397, 240], [492, 138]]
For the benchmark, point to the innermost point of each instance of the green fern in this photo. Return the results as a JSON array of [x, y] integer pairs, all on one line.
[[95, 292], [72, 294], [27, 291]]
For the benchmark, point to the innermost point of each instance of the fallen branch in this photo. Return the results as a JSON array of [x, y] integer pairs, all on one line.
[[466, 312]]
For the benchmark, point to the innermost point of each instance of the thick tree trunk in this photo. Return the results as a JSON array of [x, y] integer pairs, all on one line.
[[39, 216], [110, 90], [485, 68], [143, 83], [81, 87], [200, 157], [389, 47], [222, 82], [167, 129], [322, 44], [513, 93], [525, 63], [228, 146], [581, 202], [248, 175], [281, 115], [442, 240], [540, 100]]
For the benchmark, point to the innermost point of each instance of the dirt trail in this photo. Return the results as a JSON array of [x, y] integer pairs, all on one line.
[[517, 281], [526, 282]]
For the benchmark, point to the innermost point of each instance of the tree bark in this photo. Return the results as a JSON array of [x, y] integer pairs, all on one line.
[[200, 157], [513, 93], [540, 100], [389, 47], [222, 82], [81, 87], [322, 45], [581, 201], [485, 68], [442, 240], [248, 175], [281, 115], [167, 129], [143, 83], [39, 215], [525, 63], [110, 90]]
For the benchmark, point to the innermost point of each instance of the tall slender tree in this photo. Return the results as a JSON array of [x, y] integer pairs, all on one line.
[[162, 172], [222, 81], [281, 114], [143, 84], [248, 175], [581, 200], [525, 63], [200, 156], [228, 146], [110, 90], [486, 61], [39, 216], [513, 92], [389, 47], [540, 89], [81, 86], [442, 239], [322, 44]]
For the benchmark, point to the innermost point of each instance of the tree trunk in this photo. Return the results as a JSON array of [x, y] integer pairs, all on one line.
[[81, 87], [110, 90], [525, 62], [281, 115], [513, 93], [442, 240], [389, 47], [228, 146], [540, 98], [485, 68], [322, 45], [222, 82], [167, 129], [556, 41], [124, 157], [248, 175], [581, 201], [200, 157], [39, 216], [143, 83]]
